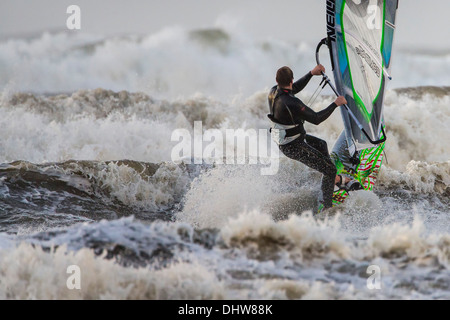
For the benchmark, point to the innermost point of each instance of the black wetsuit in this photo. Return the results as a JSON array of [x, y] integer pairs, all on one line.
[[286, 109]]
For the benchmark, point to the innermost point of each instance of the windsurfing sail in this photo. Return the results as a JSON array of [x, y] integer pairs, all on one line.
[[360, 37]]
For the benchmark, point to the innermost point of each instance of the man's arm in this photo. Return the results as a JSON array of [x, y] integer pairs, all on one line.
[[300, 84], [303, 112], [319, 117], [309, 115]]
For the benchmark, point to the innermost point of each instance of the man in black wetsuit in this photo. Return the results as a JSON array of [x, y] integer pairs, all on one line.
[[286, 109]]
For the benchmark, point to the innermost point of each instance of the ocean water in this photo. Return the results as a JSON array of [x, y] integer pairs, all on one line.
[[87, 176]]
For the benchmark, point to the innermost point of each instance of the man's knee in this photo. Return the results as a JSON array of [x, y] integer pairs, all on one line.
[[328, 170], [323, 147], [331, 170]]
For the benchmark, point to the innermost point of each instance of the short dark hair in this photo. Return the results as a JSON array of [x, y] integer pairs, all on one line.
[[284, 76]]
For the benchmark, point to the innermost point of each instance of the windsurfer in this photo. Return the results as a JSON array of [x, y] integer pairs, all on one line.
[[288, 114]]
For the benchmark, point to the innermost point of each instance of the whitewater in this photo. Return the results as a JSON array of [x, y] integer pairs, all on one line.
[[87, 176]]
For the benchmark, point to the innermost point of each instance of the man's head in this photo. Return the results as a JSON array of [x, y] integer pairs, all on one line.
[[285, 77]]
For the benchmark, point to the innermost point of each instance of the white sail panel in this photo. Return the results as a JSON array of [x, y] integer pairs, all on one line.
[[363, 32]]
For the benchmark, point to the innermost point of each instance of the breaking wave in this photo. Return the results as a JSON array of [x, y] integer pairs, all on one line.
[[175, 62], [251, 257]]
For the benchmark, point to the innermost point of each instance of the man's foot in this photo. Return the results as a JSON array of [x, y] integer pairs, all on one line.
[[347, 184], [341, 181], [353, 185], [320, 208], [323, 212]]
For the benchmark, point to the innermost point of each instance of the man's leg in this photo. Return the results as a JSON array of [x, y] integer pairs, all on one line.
[[329, 168], [315, 159], [321, 145], [318, 144]]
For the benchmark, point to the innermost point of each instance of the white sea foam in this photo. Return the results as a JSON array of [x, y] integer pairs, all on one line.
[[132, 187], [420, 177], [176, 62], [31, 273], [103, 125], [254, 258], [146, 186]]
